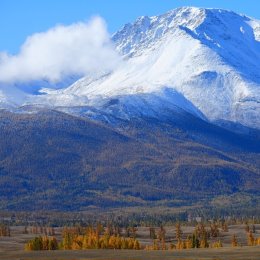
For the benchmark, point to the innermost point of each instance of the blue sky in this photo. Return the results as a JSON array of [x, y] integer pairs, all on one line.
[[21, 18]]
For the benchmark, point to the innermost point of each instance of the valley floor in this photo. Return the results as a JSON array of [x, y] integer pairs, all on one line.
[[12, 248], [229, 253]]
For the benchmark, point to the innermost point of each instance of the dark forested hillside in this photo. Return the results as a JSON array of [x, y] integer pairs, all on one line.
[[51, 160]]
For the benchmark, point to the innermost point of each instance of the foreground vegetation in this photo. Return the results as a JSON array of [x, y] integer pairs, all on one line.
[[171, 241], [84, 238], [115, 237]]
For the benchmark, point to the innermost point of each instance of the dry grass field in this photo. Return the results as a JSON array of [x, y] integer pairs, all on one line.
[[12, 248]]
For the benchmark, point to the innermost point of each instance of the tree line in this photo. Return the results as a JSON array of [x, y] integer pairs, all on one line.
[[77, 238], [115, 237]]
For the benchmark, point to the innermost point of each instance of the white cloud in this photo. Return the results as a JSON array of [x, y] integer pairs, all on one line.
[[81, 49]]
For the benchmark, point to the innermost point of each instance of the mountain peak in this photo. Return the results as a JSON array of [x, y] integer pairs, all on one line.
[[208, 57], [149, 29], [202, 61]]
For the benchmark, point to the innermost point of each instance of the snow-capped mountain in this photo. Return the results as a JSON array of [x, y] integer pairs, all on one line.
[[180, 72], [11, 97], [203, 61]]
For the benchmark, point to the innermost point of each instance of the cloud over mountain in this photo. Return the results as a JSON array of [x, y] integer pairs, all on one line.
[[80, 48]]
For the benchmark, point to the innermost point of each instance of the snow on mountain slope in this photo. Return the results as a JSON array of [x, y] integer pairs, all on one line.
[[209, 57], [11, 97], [204, 61]]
